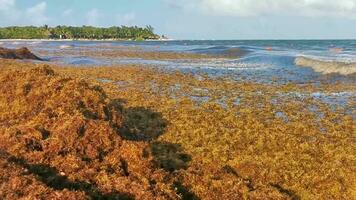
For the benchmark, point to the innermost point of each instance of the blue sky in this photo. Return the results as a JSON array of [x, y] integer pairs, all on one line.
[[196, 19]]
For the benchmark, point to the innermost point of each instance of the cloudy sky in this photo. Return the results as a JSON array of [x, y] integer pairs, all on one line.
[[196, 19]]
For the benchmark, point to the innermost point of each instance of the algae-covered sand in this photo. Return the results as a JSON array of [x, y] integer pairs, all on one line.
[[133, 132]]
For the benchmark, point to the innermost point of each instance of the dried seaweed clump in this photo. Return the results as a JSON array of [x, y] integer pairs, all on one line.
[[58, 136], [21, 53], [57, 115]]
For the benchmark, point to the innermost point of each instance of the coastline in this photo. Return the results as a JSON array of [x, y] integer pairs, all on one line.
[[189, 128], [84, 40], [249, 100]]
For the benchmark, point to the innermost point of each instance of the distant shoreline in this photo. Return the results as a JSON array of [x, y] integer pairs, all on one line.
[[79, 32], [81, 40]]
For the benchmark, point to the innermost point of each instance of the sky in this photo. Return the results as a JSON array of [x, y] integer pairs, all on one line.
[[196, 19]]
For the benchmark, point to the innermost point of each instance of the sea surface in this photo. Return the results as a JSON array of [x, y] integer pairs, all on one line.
[[265, 61], [260, 61]]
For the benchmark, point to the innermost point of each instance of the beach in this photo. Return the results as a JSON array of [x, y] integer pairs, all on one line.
[[177, 120]]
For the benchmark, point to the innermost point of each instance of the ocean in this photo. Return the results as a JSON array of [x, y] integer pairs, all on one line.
[[255, 60]]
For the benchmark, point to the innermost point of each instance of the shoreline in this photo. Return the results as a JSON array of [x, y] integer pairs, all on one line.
[[322, 66], [82, 40], [172, 39]]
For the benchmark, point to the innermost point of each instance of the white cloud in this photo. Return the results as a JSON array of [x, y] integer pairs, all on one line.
[[10, 14], [316, 8], [93, 17]]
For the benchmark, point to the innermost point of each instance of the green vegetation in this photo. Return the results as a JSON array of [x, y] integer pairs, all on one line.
[[84, 32]]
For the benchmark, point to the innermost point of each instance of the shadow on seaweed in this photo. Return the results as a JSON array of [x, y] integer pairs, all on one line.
[[50, 176], [282, 190], [184, 192], [248, 182], [139, 123], [142, 124], [168, 156], [250, 185]]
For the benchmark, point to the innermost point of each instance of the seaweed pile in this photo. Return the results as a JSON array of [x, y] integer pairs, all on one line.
[[21, 53], [59, 139], [246, 140], [133, 132]]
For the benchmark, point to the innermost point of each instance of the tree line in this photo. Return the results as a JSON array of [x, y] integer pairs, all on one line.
[[72, 32]]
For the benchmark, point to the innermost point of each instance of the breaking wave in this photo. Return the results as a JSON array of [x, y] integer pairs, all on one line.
[[327, 67]]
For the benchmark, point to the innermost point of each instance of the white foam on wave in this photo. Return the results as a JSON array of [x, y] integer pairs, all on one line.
[[205, 64], [230, 65], [223, 64], [65, 46], [35, 42], [327, 66]]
